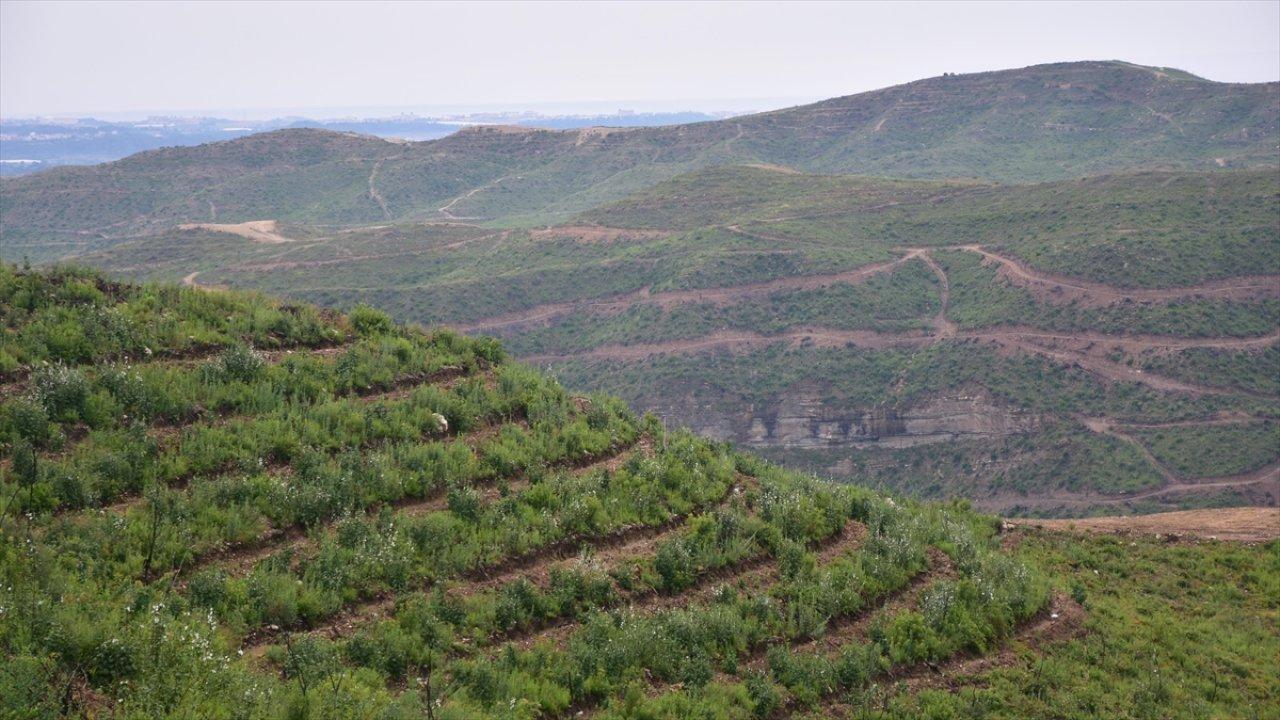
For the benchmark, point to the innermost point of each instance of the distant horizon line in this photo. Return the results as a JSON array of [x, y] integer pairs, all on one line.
[[426, 111]]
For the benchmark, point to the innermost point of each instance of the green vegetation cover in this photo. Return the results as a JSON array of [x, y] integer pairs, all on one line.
[[220, 505]]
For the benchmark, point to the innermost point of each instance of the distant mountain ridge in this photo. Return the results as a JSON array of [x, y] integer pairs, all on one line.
[[1039, 123]]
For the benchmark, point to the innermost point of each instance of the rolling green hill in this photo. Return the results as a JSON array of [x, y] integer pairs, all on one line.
[[1039, 123], [217, 504]]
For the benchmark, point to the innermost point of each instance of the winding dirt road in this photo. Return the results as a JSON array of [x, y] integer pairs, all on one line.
[[373, 189], [1251, 525], [672, 298], [1060, 289], [1013, 338]]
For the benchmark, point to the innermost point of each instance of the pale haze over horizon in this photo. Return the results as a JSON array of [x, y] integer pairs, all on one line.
[[262, 59]]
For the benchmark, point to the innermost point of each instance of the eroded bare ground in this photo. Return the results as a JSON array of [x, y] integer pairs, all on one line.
[[1246, 524], [259, 231], [1093, 352], [596, 233]]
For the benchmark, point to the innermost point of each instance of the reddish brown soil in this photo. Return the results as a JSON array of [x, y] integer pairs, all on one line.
[[943, 327], [752, 574], [532, 564], [666, 300], [588, 234], [1059, 289], [1056, 347], [840, 631], [1249, 525]]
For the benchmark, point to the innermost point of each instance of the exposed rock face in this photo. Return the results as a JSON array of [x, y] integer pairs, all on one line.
[[805, 420], [801, 423]]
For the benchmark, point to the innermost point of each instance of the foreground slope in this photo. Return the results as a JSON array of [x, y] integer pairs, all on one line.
[[1033, 124], [221, 505]]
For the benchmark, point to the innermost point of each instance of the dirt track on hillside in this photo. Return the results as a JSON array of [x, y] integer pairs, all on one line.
[[1252, 525], [669, 299], [1013, 338], [1087, 350], [1059, 289], [1103, 426], [1261, 486], [373, 189], [1047, 287]]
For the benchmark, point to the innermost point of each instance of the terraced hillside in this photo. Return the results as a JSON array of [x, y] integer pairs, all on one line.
[[1061, 348], [216, 504], [1033, 124]]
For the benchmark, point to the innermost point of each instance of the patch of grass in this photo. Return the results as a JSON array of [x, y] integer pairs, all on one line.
[[1212, 451]]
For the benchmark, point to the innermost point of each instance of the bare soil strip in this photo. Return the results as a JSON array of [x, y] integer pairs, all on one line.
[[839, 630], [1050, 288], [352, 259], [1111, 370], [1246, 524], [259, 231], [1103, 427], [1221, 418], [1062, 620], [1261, 485], [169, 433], [361, 613], [672, 298], [1015, 338], [943, 327], [587, 234], [742, 340], [755, 572], [1061, 290], [446, 209], [373, 189]]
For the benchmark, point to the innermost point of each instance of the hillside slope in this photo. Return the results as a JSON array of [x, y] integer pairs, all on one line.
[[217, 504], [1039, 123], [1057, 348]]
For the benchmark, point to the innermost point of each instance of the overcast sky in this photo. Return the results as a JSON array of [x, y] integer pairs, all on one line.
[[232, 58]]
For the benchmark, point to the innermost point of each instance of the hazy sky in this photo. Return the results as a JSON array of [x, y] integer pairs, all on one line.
[[104, 57]]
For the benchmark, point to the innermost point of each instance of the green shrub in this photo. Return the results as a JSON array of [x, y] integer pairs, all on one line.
[[369, 321]]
